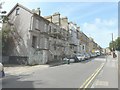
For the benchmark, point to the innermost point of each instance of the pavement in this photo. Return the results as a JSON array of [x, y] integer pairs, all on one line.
[[119, 70], [22, 69], [108, 77], [18, 69]]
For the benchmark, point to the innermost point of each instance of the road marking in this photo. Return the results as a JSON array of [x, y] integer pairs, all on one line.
[[90, 79], [94, 76], [101, 83]]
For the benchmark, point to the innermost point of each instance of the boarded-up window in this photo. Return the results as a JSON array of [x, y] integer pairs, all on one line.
[[34, 41]]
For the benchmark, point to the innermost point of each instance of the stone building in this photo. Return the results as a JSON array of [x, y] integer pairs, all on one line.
[[84, 43], [55, 18], [35, 40], [91, 45], [64, 23], [73, 41], [57, 42], [29, 33], [38, 40]]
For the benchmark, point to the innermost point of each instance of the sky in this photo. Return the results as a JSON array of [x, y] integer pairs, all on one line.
[[96, 19]]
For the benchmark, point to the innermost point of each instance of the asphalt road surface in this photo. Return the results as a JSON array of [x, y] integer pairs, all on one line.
[[72, 75]]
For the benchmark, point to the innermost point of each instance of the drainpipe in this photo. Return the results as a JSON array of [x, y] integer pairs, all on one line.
[[31, 22]]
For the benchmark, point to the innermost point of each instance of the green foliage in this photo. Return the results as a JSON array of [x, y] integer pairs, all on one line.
[[5, 37], [115, 45], [118, 44], [4, 18], [110, 46]]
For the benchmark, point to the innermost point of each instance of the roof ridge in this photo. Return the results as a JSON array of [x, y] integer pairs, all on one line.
[[18, 4]]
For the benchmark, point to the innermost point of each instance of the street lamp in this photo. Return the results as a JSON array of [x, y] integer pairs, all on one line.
[[113, 49]]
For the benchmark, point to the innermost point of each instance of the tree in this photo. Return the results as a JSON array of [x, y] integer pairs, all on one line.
[[3, 32], [112, 45], [5, 37], [115, 45], [118, 44]]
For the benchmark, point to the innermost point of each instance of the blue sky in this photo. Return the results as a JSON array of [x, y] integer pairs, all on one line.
[[96, 19]]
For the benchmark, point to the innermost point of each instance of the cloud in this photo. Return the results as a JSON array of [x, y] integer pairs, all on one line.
[[100, 30]]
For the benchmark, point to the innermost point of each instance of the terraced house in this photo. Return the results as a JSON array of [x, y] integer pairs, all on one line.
[[39, 40], [35, 40]]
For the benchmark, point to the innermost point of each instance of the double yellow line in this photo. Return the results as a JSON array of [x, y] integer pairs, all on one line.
[[90, 79]]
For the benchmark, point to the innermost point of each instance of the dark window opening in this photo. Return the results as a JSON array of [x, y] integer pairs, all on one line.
[[34, 41], [17, 11], [50, 29], [55, 46], [83, 47]]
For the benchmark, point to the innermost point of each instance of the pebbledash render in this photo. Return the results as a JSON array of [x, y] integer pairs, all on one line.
[[43, 39]]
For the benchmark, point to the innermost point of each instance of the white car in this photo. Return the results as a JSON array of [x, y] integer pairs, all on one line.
[[2, 74], [68, 60], [80, 57]]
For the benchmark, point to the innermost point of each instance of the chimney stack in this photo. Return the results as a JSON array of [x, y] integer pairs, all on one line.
[[37, 11]]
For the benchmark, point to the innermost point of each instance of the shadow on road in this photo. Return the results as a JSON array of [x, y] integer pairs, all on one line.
[[86, 61], [55, 63], [14, 82]]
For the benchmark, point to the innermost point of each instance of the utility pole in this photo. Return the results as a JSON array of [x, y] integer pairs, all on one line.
[[112, 43], [112, 46]]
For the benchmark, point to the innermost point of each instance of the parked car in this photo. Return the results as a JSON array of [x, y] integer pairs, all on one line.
[[87, 56], [80, 57], [2, 73], [69, 59], [75, 57], [66, 60], [98, 53], [92, 55], [95, 55]]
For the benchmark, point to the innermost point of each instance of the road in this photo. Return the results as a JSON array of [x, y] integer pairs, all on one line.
[[73, 75]]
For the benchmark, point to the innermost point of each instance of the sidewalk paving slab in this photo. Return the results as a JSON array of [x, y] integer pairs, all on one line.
[[108, 77]]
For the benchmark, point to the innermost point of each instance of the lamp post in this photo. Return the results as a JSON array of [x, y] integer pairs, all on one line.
[[113, 53]]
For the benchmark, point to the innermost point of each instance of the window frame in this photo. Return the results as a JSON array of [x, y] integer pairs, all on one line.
[[34, 41]]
